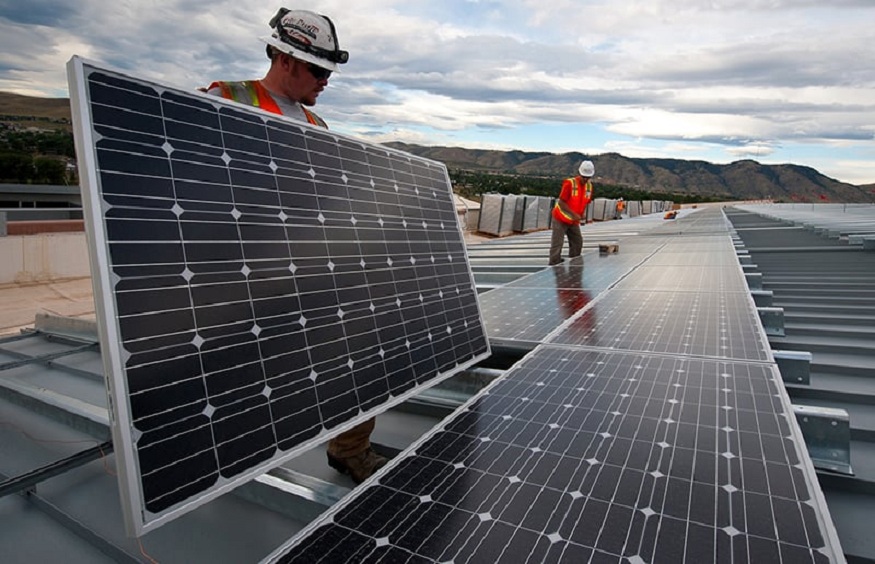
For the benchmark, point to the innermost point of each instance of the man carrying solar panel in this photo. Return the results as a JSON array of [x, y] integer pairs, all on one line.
[[303, 52]]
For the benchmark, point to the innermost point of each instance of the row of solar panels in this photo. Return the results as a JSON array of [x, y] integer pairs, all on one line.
[[648, 423]]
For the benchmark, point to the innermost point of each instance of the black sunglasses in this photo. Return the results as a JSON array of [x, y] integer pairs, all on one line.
[[318, 72]]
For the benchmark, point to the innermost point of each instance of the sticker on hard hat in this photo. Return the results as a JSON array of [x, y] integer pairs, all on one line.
[[301, 30]]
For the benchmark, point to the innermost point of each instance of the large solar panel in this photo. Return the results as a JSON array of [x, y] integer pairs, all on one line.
[[261, 284], [676, 304], [595, 456]]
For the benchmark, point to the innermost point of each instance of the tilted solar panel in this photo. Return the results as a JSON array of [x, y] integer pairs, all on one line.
[[260, 284]]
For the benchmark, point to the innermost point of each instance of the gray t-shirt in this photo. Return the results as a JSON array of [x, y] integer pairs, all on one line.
[[287, 106]]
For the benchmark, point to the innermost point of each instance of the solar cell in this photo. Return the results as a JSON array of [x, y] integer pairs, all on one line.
[[594, 456], [261, 284]]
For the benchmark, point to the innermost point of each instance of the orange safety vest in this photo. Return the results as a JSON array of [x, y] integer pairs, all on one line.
[[574, 197], [253, 93], [621, 205]]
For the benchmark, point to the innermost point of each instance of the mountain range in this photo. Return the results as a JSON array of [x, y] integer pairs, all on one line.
[[740, 180], [744, 179]]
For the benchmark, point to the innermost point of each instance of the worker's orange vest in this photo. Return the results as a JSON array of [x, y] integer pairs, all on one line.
[[259, 97], [576, 199]]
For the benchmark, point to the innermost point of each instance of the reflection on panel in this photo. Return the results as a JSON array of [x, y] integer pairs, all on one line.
[[528, 315], [599, 273], [521, 317]]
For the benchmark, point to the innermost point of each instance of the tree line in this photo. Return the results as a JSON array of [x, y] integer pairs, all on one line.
[[35, 157]]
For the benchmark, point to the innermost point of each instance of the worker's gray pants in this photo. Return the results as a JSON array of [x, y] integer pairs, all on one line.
[[575, 240]]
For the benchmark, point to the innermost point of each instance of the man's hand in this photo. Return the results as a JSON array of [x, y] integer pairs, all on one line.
[[567, 211]]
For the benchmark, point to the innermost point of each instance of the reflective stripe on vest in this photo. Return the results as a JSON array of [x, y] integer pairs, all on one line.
[[575, 184], [261, 98], [314, 119], [559, 209], [562, 213]]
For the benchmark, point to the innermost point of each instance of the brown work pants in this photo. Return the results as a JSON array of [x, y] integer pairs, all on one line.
[[575, 240], [353, 442]]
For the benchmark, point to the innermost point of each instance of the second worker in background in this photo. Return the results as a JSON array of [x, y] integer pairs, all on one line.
[[569, 211]]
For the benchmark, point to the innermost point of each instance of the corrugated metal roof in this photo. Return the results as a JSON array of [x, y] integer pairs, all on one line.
[[813, 261]]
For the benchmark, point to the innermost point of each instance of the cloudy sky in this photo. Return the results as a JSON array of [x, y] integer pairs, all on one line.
[[719, 80]]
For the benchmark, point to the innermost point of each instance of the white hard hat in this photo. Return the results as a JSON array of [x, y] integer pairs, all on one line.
[[306, 36], [587, 169]]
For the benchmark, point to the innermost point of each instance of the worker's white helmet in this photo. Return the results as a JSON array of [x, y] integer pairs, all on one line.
[[306, 36], [587, 169]]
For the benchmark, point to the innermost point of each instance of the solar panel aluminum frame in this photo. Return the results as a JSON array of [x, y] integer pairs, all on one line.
[[138, 519], [117, 411]]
